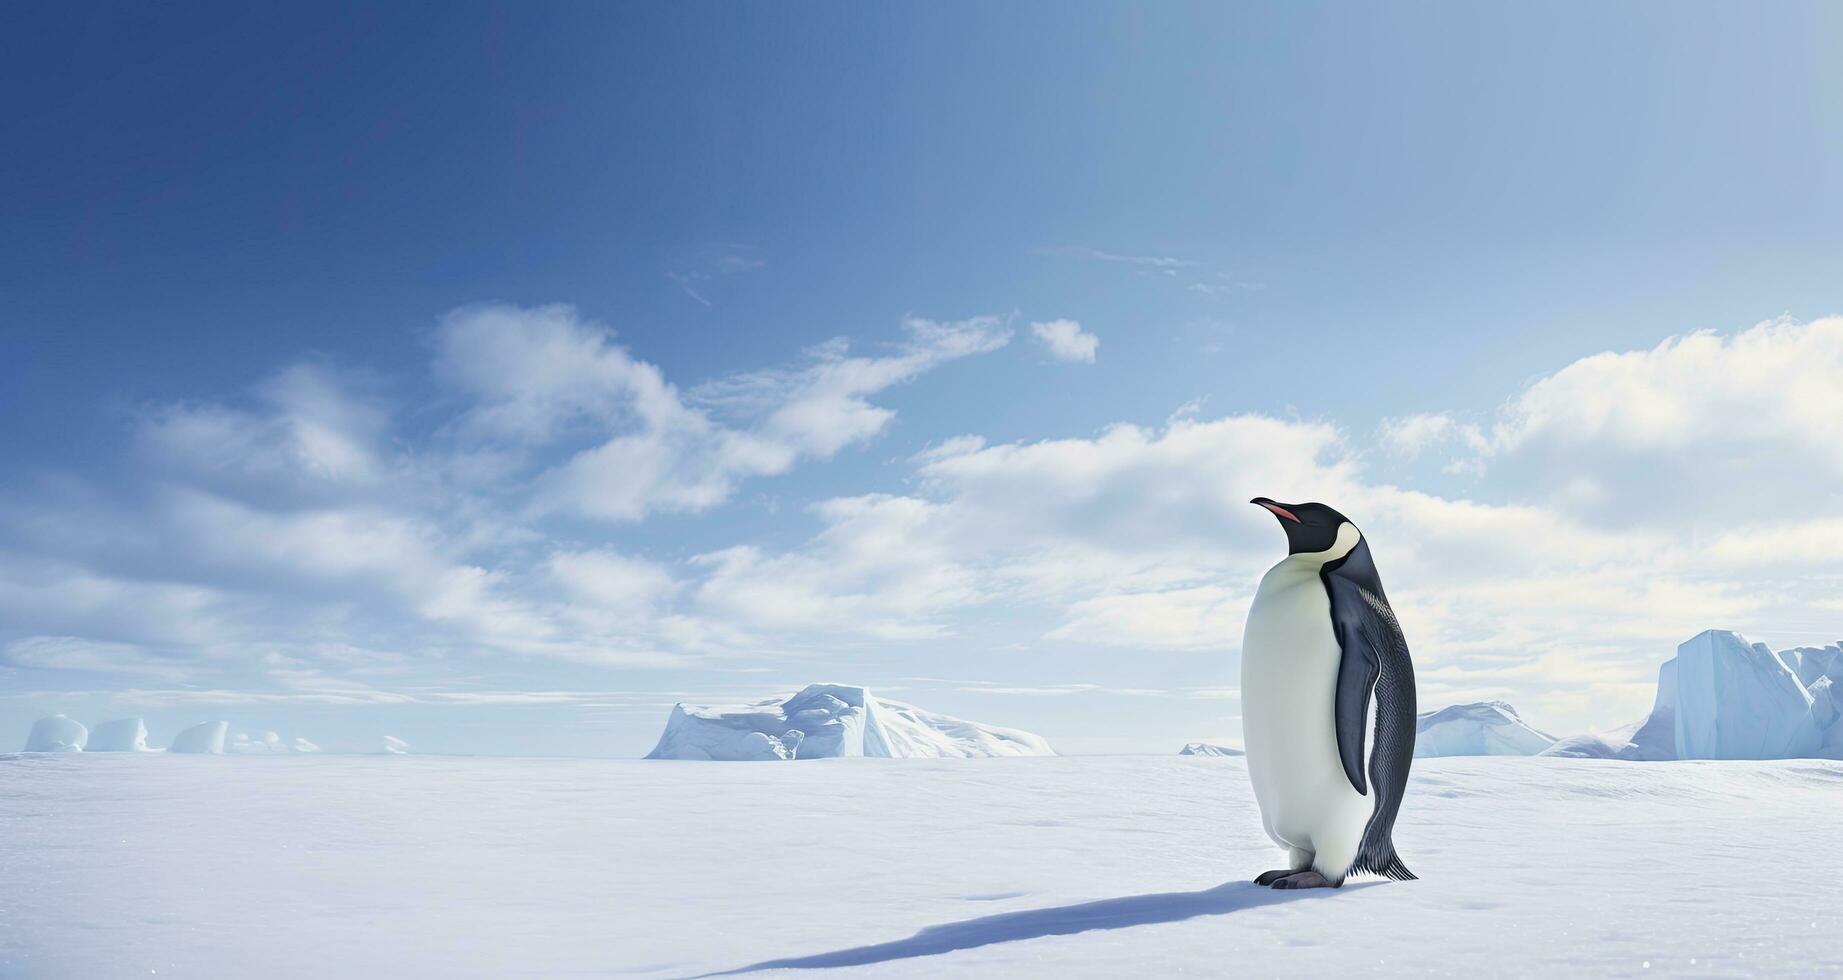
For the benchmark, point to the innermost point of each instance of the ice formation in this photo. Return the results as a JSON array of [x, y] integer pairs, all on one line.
[[1205, 748], [57, 734], [201, 739], [1479, 728], [1594, 745], [1736, 701], [829, 720], [268, 743], [1721, 697], [120, 735]]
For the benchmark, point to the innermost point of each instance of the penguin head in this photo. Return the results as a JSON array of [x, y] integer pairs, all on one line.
[[1312, 528]]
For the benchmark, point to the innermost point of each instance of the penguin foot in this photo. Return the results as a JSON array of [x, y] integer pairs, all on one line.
[[1301, 879], [1269, 877]]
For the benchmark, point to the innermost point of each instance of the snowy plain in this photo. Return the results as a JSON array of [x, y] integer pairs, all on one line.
[[314, 866]]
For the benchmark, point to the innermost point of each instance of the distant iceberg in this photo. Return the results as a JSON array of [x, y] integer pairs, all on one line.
[[57, 733], [1721, 697], [120, 735], [1205, 748], [268, 743], [832, 720], [1479, 728], [201, 739]]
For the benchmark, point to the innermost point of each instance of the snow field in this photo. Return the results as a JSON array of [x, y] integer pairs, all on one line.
[[307, 865]]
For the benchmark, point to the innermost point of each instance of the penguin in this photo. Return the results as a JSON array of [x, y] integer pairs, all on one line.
[[1321, 656]]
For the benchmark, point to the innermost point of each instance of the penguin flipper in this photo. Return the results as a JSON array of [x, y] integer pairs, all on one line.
[[1372, 650], [1358, 668]]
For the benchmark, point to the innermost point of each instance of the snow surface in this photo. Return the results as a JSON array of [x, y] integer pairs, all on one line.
[[1479, 728], [324, 866], [1205, 748], [206, 738], [56, 734], [1721, 697], [120, 735], [826, 721]]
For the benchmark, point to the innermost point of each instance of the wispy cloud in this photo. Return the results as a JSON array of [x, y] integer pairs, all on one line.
[[1191, 274], [1161, 264], [705, 267]]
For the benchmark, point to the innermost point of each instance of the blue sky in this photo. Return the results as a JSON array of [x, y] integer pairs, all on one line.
[[496, 376]]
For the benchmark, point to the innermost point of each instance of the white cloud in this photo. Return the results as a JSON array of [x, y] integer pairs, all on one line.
[[948, 448], [307, 543], [312, 432], [266, 534], [1773, 386], [877, 569], [1673, 435], [610, 580], [1066, 340], [1412, 435], [678, 457], [1204, 617], [1114, 519], [534, 371]]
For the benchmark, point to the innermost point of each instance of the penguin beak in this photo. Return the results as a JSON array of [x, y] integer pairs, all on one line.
[[1279, 511]]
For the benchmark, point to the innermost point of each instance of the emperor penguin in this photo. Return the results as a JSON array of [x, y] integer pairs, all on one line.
[[1321, 658]]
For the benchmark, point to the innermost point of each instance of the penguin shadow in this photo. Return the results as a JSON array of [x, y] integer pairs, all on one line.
[[1061, 920]]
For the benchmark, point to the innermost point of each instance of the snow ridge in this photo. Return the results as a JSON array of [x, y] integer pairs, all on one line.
[[1478, 728]]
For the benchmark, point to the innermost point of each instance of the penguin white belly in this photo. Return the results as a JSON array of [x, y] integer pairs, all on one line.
[[1289, 666]]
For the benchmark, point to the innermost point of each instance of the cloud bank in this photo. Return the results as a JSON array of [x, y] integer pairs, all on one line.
[[319, 537]]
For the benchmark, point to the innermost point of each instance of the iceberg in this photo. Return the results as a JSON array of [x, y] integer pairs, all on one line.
[[268, 743], [1205, 748], [202, 739], [1721, 697], [1740, 701], [829, 721], [120, 735], [1478, 728], [57, 733]]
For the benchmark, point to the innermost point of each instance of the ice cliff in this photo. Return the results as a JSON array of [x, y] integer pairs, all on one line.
[[121, 735], [1479, 728], [1721, 697], [829, 720]]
